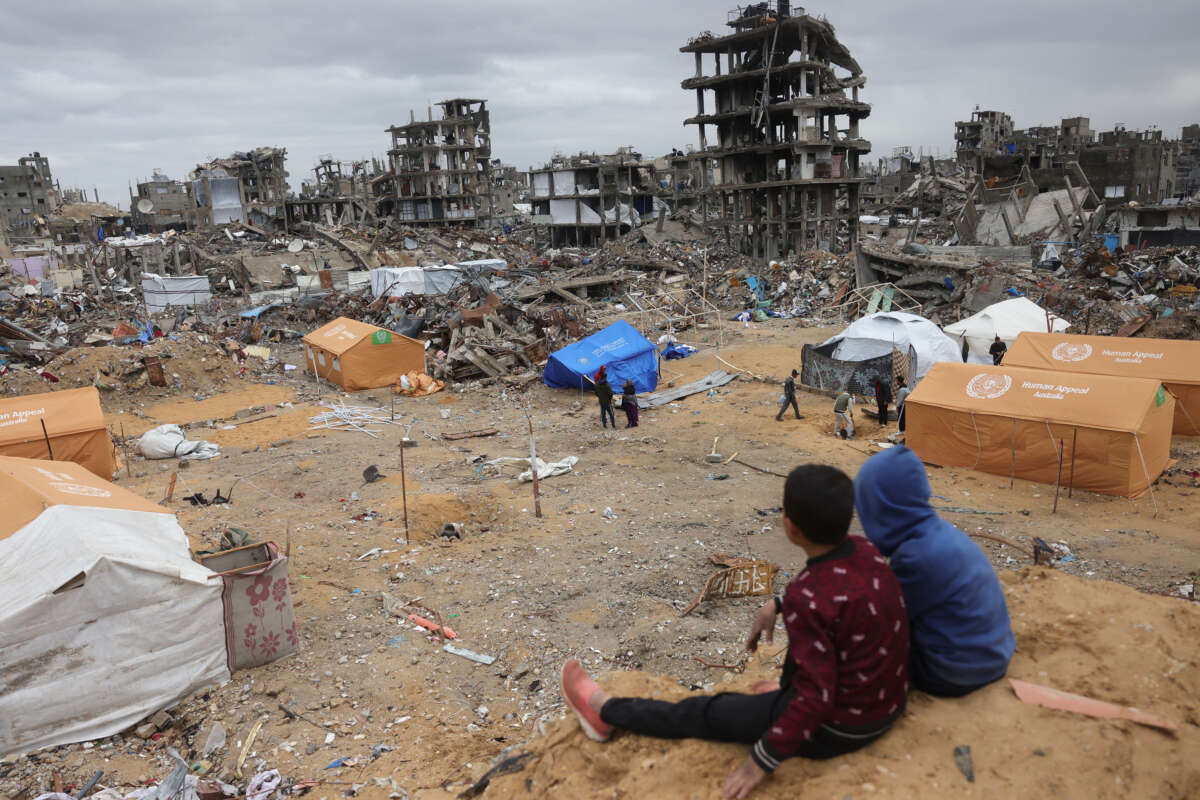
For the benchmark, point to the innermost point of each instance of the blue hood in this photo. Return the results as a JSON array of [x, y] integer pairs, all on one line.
[[959, 619]]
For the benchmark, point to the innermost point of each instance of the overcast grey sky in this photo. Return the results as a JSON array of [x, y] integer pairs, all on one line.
[[110, 91]]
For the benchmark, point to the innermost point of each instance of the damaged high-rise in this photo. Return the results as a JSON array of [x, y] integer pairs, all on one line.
[[249, 187], [442, 166], [783, 101]]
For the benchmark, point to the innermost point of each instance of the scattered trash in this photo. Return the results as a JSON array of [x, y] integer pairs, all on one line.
[[451, 530], [371, 474], [962, 759], [469, 654], [1064, 701]]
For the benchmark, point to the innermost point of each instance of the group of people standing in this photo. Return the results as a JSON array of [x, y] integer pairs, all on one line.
[[605, 394], [843, 405]]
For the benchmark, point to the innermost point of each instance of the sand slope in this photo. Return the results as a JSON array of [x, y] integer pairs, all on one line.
[[1090, 637]]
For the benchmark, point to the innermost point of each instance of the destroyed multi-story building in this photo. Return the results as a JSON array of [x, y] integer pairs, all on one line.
[[1176, 224], [26, 194], [443, 167], [509, 187], [1121, 165], [586, 199], [159, 203], [1187, 163], [249, 187], [785, 110], [341, 192], [984, 134]]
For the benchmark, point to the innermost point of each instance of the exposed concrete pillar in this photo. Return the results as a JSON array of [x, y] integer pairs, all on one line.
[[1008, 226]]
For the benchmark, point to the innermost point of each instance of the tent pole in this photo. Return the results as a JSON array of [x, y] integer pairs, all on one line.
[[1058, 478], [46, 436], [1071, 480], [403, 492], [1012, 472], [1146, 472]]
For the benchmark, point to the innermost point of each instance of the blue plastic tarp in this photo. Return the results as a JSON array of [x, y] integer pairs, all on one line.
[[625, 353]]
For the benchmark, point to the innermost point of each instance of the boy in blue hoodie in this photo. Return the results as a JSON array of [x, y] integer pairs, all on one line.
[[961, 635]]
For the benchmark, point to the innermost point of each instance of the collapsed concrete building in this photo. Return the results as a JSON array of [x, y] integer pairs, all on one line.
[[341, 192], [787, 144], [26, 194], [1121, 164], [249, 187], [159, 203], [443, 167], [984, 133], [587, 199]]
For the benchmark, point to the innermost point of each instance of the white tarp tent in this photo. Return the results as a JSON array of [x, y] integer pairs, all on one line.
[[104, 616], [1008, 319], [878, 334], [163, 291]]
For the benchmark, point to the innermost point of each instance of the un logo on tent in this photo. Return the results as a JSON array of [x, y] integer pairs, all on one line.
[[1070, 351], [987, 386]]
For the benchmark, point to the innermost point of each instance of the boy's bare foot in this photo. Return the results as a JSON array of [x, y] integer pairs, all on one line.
[[585, 697]]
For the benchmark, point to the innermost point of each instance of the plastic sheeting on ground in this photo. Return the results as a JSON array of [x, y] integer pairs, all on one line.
[[625, 353], [1006, 319], [173, 291], [878, 334], [169, 441], [545, 469]]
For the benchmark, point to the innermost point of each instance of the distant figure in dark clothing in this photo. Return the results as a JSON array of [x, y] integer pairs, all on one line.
[[883, 398], [604, 394], [997, 350], [789, 397], [901, 396], [629, 403]]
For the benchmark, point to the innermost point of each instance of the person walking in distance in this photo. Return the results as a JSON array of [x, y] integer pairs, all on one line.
[[843, 415], [789, 397], [883, 398], [901, 396]]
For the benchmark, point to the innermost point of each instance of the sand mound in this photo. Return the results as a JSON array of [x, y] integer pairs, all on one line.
[[1096, 638]]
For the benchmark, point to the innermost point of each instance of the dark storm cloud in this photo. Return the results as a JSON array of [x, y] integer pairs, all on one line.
[[111, 91]]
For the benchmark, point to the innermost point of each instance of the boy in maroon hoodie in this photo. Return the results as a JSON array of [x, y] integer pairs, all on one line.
[[845, 680]]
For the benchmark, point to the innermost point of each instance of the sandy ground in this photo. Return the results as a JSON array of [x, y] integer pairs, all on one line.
[[610, 590]]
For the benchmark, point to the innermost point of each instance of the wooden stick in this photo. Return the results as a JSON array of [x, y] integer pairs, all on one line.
[[404, 492], [758, 469], [537, 497]]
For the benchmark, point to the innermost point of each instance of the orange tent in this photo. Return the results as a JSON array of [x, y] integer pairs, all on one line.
[[1114, 433], [31, 487], [356, 355], [74, 425], [1176, 363]]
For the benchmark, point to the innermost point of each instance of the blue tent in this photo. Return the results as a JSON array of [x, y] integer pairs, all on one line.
[[626, 353]]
